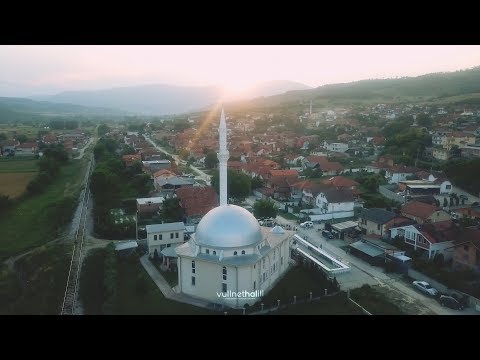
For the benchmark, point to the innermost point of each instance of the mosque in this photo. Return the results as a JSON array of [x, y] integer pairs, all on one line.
[[230, 259]]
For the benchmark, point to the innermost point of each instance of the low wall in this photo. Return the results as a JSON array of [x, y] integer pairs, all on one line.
[[414, 274]]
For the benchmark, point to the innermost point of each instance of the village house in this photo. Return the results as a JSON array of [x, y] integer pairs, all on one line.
[[196, 201], [398, 173], [149, 205], [161, 236], [331, 203], [322, 163], [129, 160], [335, 146], [466, 255], [378, 221], [423, 213], [430, 238], [26, 149]]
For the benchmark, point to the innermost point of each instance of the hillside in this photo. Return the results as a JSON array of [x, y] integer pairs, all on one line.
[[20, 109], [453, 87]]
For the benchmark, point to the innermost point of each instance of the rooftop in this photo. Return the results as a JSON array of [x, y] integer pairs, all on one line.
[[376, 215], [176, 226]]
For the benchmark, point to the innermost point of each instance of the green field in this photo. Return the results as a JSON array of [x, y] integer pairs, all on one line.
[[38, 283], [34, 221], [18, 164]]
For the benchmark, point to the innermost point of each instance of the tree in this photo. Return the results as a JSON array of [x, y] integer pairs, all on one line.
[[5, 203], [184, 154], [22, 138], [445, 202], [102, 129], [211, 160], [455, 152], [424, 120], [3, 136], [171, 210], [265, 208], [257, 183], [238, 186]]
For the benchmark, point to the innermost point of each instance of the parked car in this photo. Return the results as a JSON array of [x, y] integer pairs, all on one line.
[[451, 302], [425, 288], [327, 234], [307, 224]]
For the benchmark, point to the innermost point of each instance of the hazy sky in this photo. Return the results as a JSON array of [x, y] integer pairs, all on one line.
[[33, 70]]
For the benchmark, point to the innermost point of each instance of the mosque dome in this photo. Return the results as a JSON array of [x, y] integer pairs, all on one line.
[[228, 226]]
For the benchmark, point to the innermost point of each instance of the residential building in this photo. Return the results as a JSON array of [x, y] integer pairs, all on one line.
[[331, 203], [423, 213], [149, 205], [398, 173], [161, 236], [466, 255], [378, 221], [335, 146], [28, 148], [470, 151], [129, 160], [431, 239], [196, 202]]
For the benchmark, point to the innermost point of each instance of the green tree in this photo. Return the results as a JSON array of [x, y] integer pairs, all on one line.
[[455, 152], [3, 136], [5, 203], [171, 210], [424, 120], [103, 129], [211, 160], [238, 184], [265, 208], [257, 183], [22, 138]]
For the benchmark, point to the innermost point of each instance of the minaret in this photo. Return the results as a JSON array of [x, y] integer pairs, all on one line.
[[223, 156]]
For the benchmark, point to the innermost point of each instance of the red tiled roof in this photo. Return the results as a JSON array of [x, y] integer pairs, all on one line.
[[418, 209], [197, 201], [27, 145], [164, 172], [341, 181], [290, 172]]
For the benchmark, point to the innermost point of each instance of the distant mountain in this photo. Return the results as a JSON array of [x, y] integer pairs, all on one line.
[[162, 99], [274, 87], [437, 86], [20, 109], [157, 99]]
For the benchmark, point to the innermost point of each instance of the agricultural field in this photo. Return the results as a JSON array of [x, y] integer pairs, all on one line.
[[15, 174]]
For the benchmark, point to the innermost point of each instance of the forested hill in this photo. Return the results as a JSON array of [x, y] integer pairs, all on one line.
[[420, 88], [20, 109]]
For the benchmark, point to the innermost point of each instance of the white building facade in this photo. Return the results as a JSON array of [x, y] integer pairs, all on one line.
[[161, 236]]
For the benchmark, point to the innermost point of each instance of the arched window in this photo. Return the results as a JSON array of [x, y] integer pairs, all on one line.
[[224, 271], [234, 253], [243, 252], [207, 251], [214, 252]]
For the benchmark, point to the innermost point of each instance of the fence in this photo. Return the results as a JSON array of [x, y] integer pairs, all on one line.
[[472, 301], [386, 191]]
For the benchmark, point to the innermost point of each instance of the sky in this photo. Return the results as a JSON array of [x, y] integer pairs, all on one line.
[[43, 69]]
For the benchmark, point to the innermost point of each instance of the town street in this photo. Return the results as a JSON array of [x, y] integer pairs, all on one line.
[[201, 175], [364, 273]]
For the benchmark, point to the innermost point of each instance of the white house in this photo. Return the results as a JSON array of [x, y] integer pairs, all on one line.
[[398, 173], [335, 146], [332, 204], [161, 236], [432, 239]]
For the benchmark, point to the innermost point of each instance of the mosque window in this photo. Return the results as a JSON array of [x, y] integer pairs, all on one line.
[[214, 252], [176, 235], [171, 235], [234, 253], [224, 270], [207, 251], [193, 264], [160, 237], [154, 237], [254, 285], [224, 287], [193, 280], [243, 252]]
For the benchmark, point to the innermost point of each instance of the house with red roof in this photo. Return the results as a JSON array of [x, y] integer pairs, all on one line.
[[466, 254], [430, 238], [322, 163], [128, 160], [342, 182], [196, 201], [28, 148], [423, 213]]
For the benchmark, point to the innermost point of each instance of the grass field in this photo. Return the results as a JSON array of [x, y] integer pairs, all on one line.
[[30, 222], [39, 284], [12, 130], [17, 165], [14, 184], [15, 174]]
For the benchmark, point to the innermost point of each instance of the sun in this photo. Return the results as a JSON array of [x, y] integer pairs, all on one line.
[[235, 89]]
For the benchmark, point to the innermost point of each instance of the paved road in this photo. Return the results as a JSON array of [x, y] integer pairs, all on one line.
[[201, 175], [364, 273], [82, 150]]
